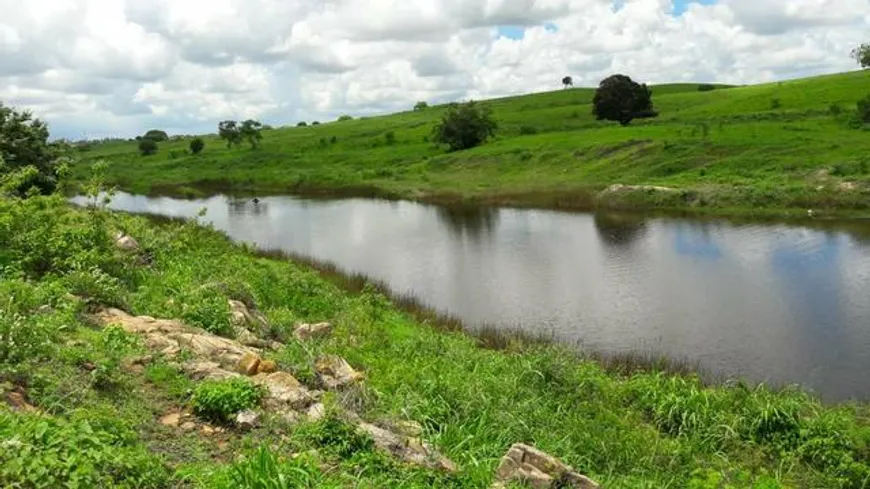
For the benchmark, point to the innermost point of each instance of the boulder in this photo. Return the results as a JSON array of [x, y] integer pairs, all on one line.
[[410, 450], [125, 242], [267, 367], [305, 332], [247, 420], [283, 390], [241, 316], [527, 465], [316, 412], [334, 372], [248, 364]]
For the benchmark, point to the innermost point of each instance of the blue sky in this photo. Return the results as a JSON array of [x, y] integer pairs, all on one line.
[[518, 32]]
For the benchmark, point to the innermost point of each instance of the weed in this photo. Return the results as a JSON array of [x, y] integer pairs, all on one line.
[[220, 400]]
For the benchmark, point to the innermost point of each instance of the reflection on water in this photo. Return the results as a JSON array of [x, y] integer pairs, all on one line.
[[771, 302]]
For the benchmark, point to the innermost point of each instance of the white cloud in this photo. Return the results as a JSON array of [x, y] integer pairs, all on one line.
[[122, 66]]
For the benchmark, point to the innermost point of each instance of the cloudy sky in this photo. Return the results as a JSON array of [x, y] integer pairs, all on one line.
[[98, 68]]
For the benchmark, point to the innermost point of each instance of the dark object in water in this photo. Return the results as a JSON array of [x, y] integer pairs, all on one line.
[[256, 200]]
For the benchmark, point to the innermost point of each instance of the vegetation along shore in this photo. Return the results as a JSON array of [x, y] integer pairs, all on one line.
[[771, 148]]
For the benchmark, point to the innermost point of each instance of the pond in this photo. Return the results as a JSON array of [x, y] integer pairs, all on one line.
[[769, 302]]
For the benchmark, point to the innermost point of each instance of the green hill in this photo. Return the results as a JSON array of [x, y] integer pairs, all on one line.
[[779, 145]]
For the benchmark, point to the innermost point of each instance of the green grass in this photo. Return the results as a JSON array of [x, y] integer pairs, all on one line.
[[727, 148], [626, 427]]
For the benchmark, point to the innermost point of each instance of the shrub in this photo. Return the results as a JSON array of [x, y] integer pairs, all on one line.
[[197, 145], [156, 135], [835, 109], [863, 106], [315, 123], [220, 400], [147, 147], [464, 126], [24, 143], [301, 124], [421, 105], [43, 451], [333, 139], [338, 437], [706, 87], [344, 117], [390, 138], [619, 98], [775, 103]]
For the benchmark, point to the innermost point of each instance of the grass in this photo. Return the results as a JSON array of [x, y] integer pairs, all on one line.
[[725, 149], [625, 427]]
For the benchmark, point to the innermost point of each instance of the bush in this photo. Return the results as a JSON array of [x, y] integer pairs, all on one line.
[[706, 87], [301, 124], [775, 103], [24, 143], [219, 400], [863, 106], [147, 147], [390, 138], [345, 117], [197, 145], [619, 98], [156, 135], [315, 123], [464, 126], [43, 451], [421, 105]]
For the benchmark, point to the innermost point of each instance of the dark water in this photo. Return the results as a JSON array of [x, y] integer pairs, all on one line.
[[770, 302]]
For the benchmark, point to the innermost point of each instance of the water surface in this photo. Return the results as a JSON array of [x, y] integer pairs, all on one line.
[[770, 302]]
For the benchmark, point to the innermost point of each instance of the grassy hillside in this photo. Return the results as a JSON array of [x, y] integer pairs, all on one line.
[[785, 144], [89, 408]]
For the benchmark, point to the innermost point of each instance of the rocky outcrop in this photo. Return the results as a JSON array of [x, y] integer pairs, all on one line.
[[247, 324], [334, 372], [411, 450], [528, 465], [305, 332], [248, 364]]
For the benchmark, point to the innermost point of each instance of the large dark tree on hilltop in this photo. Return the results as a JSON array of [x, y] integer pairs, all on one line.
[[619, 98], [861, 54], [568, 81]]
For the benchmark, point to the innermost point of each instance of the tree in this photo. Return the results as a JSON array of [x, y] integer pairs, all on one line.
[[344, 117], [315, 123], [568, 81], [861, 54], [230, 132], [464, 126], [421, 105], [250, 131], [147, 146], [197, 145], [156, 135], [24, 143], [620, 99], [302, 124]]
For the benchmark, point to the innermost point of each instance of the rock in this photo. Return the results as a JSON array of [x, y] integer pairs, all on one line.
[[283, 390], [527, 465], [305, 332], [241, 316], [188, 426], [247, 420], [171, 419], [316, 412], [207, 430], [410, 428], [410, 450], [248, 364], [206, 371], [334, 372], [267, 367], [137, 364], [18, 402], [290, 416], [125, 242]]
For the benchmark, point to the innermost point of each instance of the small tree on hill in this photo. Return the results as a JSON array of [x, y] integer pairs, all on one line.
[[620, 99], [344, 117], [24, 143], [250, 131], [861, 54], [147, 146], [230, 132], [197, 145], [421, 105], [301, 124], [464, 126], [156, 135], [568, 81]]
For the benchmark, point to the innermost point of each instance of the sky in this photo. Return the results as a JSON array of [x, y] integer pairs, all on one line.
[[116, 68]]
